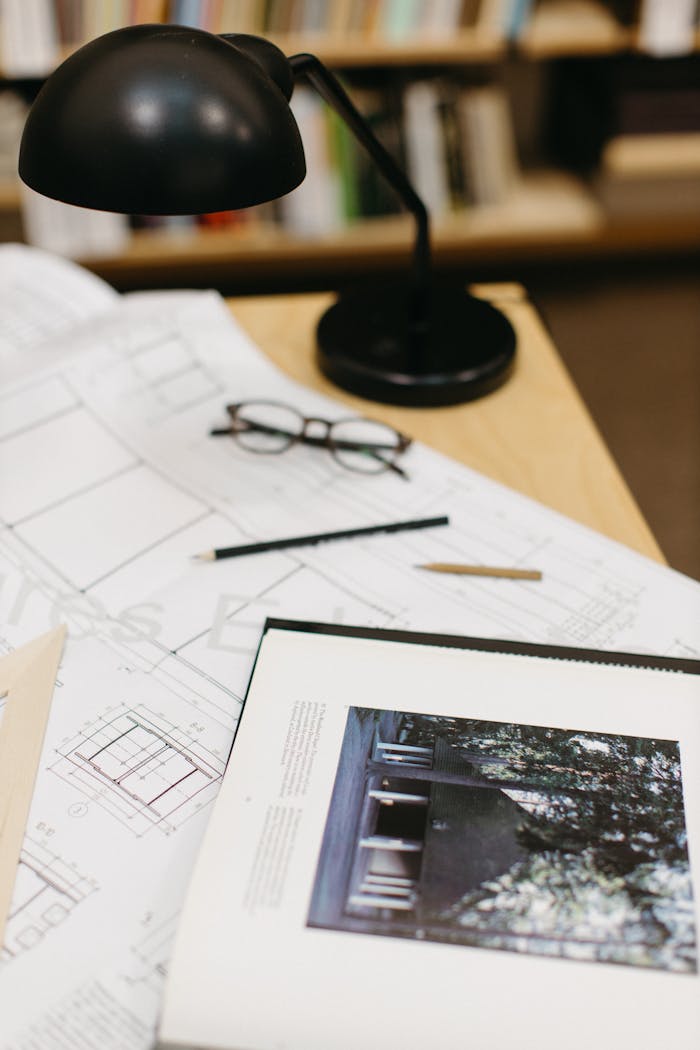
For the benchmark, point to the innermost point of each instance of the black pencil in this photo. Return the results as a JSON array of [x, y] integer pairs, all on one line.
[[319, 537]]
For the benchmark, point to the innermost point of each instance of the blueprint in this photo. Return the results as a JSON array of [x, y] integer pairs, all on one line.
[[109, 484], [43, 296]]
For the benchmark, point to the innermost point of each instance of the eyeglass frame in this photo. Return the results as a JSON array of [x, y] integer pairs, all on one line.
[[324, 441]]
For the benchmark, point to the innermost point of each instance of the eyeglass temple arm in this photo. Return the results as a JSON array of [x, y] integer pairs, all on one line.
[[308, 439], [332, 92]]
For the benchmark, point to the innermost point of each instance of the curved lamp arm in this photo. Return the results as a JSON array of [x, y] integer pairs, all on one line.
[[218, 133], [332, 92]]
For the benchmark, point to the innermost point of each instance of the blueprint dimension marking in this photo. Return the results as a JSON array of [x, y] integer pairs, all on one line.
[[140, 771], [47, 889]]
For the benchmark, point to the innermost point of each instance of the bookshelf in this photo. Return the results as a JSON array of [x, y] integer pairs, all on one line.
[[9, 195], [576, 28], [553, 218], [551, 213]]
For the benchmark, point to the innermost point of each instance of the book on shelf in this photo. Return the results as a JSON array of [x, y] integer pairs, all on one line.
[[37, 31], [382, 109], [70, 24], [337, 18], [595, 101], [346, 157], [311, 16], [455, 141], [661, 153], [70, 231], [147, 11], [188, 13], [29, 40], [515, 18], [315, 207], [460, 144], [491, 17], [487, 144], [428, 840], [652, 174], [237, 16], [278, 17], [585, 26], [667, 27], [13, 113], [426, 146], [399, 19], [452, 146], [440, 17]]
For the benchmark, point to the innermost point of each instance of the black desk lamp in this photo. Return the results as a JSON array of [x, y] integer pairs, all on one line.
[[168, 120]]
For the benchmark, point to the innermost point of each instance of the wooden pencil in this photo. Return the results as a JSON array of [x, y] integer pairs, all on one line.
[[482, 570]]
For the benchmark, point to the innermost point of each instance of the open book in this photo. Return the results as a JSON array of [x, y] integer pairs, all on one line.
[[435, 841]]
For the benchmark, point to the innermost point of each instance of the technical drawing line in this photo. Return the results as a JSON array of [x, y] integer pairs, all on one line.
[[91, 758], [179, 749], [129, 353], [29, 901], [138, 453], [186, 406], [172, 786], [250, 601], [145, 550], [175, 655], [156, 780], [133, 770], [165, 377], [26, 428], [91, 487]]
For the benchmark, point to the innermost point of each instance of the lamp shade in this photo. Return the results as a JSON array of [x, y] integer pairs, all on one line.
[[162, 120]]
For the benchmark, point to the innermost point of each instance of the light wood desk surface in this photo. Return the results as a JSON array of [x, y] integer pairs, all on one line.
[[534, 434]]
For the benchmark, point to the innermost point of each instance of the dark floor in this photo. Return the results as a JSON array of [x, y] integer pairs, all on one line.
[[631, 340]]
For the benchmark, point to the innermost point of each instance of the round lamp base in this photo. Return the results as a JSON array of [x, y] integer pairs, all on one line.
[[365, 345]]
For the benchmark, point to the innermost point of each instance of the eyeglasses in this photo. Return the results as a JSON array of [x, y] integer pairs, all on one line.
[[268, 428]]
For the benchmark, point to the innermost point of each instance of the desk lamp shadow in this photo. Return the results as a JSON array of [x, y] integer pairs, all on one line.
[[168, 120]]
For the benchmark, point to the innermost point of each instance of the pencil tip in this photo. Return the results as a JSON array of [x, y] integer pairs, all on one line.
[[204, 556]]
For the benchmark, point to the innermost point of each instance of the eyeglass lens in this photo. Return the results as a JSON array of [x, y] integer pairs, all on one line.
[[267, 427], [362, 445]]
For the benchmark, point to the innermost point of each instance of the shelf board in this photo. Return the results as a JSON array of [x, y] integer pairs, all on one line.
[[551, 215], [579, 28], [574, 27], [353, 51], [544, 207], [557, 28]]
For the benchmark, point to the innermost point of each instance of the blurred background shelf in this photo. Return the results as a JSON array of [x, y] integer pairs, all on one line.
[[540, 30], [524, 99], [551, 215], [10, 198]]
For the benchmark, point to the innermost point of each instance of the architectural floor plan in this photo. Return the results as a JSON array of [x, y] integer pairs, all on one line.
[[110, 485]]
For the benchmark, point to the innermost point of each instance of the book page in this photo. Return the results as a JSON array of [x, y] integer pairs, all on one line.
[[417, 846]]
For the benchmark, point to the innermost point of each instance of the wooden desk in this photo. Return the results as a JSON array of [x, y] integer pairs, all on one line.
[[534, 434]]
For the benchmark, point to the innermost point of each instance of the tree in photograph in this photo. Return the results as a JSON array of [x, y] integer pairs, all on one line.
[[607, 873]]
